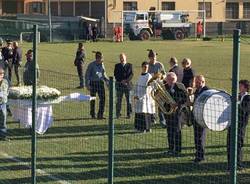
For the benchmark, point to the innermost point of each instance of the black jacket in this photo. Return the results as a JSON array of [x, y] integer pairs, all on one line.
[[80, 56], [178, 71], [179, 95], [188, 77], [7, 53], [244, 109], [198, 92], [123, 73], [17, 56]]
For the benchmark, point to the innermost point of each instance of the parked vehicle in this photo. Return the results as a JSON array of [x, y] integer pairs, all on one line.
[[168, 25]]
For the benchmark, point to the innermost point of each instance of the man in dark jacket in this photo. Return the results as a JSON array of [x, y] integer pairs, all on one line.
[[173, 62], [28, 72], [7, 53], [188, 73], [79, 61], [243, 116], [199, 132], [177, 92], [16, 61], [123, 73]]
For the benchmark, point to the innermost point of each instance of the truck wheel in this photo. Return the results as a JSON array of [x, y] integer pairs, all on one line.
[[145, 35], [132, 36], [179, 35]]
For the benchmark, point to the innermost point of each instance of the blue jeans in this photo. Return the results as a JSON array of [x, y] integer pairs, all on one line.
[[3, 117], [161, 117]]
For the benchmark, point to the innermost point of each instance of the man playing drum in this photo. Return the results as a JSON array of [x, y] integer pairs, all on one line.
[[243, 116]]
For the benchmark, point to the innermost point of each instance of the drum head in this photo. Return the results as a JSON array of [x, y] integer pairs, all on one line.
[[212, 110]]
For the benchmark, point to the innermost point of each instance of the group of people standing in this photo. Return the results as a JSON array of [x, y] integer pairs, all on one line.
[[180, 82], [11, 58], [91, 32]]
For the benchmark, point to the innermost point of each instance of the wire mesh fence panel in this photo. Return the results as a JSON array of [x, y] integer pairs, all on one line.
[[158, 145], [74, 149]]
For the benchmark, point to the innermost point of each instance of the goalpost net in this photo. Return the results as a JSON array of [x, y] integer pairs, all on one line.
[[159, 22]]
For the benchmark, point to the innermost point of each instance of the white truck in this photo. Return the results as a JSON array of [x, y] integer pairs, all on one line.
[[168, 25]]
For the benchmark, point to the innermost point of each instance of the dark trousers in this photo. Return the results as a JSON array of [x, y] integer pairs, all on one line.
[[241, 136], [143, 121], [174, 132], [97, 87], [199, 139], [10, 68], [119, 94], [79, 68]]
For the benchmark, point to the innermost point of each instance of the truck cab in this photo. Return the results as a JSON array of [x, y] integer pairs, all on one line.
[[168, 25]]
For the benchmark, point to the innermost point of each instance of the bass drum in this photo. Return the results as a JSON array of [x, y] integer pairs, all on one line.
[[212, 110]]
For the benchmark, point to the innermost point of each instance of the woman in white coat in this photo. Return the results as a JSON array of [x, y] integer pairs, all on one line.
[[144, 103]]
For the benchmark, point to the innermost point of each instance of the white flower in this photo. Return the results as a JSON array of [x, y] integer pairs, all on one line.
[[25, 92]]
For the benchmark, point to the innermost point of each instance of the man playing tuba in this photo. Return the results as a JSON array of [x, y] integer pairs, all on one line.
[[179, 96]]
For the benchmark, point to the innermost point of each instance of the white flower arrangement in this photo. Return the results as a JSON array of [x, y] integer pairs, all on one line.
[[25, 92]]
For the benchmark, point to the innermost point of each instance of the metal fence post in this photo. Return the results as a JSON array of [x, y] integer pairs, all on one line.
[[235, 90], [111, 131], [34, 106]]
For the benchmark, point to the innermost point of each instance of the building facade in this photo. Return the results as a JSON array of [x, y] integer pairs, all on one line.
[[216, 10]]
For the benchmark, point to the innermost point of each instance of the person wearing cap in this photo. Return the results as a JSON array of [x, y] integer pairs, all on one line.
[[188, 73], [78, 62], [173, 62], [28, 73], [4, 90], [95, 78], [17, 61], [155, 67], [7, 53]]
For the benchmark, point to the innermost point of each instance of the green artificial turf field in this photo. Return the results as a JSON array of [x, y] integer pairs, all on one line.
[[75, 148]]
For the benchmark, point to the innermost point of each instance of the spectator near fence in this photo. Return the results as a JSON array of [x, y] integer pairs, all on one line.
[[123, 73], [89, 32], [144, 103], [16, 62], [94, 33], [95, 78], [188, 73], [199, 29], [28, 73], [79, 62], [173, 62], [243, 117], [156, 67], [4, 87], [7, 53]]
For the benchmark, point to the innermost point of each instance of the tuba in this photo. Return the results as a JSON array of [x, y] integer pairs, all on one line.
[[163, 98]]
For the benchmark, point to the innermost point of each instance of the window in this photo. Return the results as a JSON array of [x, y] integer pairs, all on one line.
[[246, 10], [67, 9], [132, 5], [9, 7], [36, 7], [168, 5], [54, 8], [208, 8], [82, 9], [232, 10]]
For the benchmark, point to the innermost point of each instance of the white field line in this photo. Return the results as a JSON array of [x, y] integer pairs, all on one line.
[[39, 171]]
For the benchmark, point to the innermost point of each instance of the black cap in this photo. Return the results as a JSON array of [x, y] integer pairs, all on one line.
[[151, 53]]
